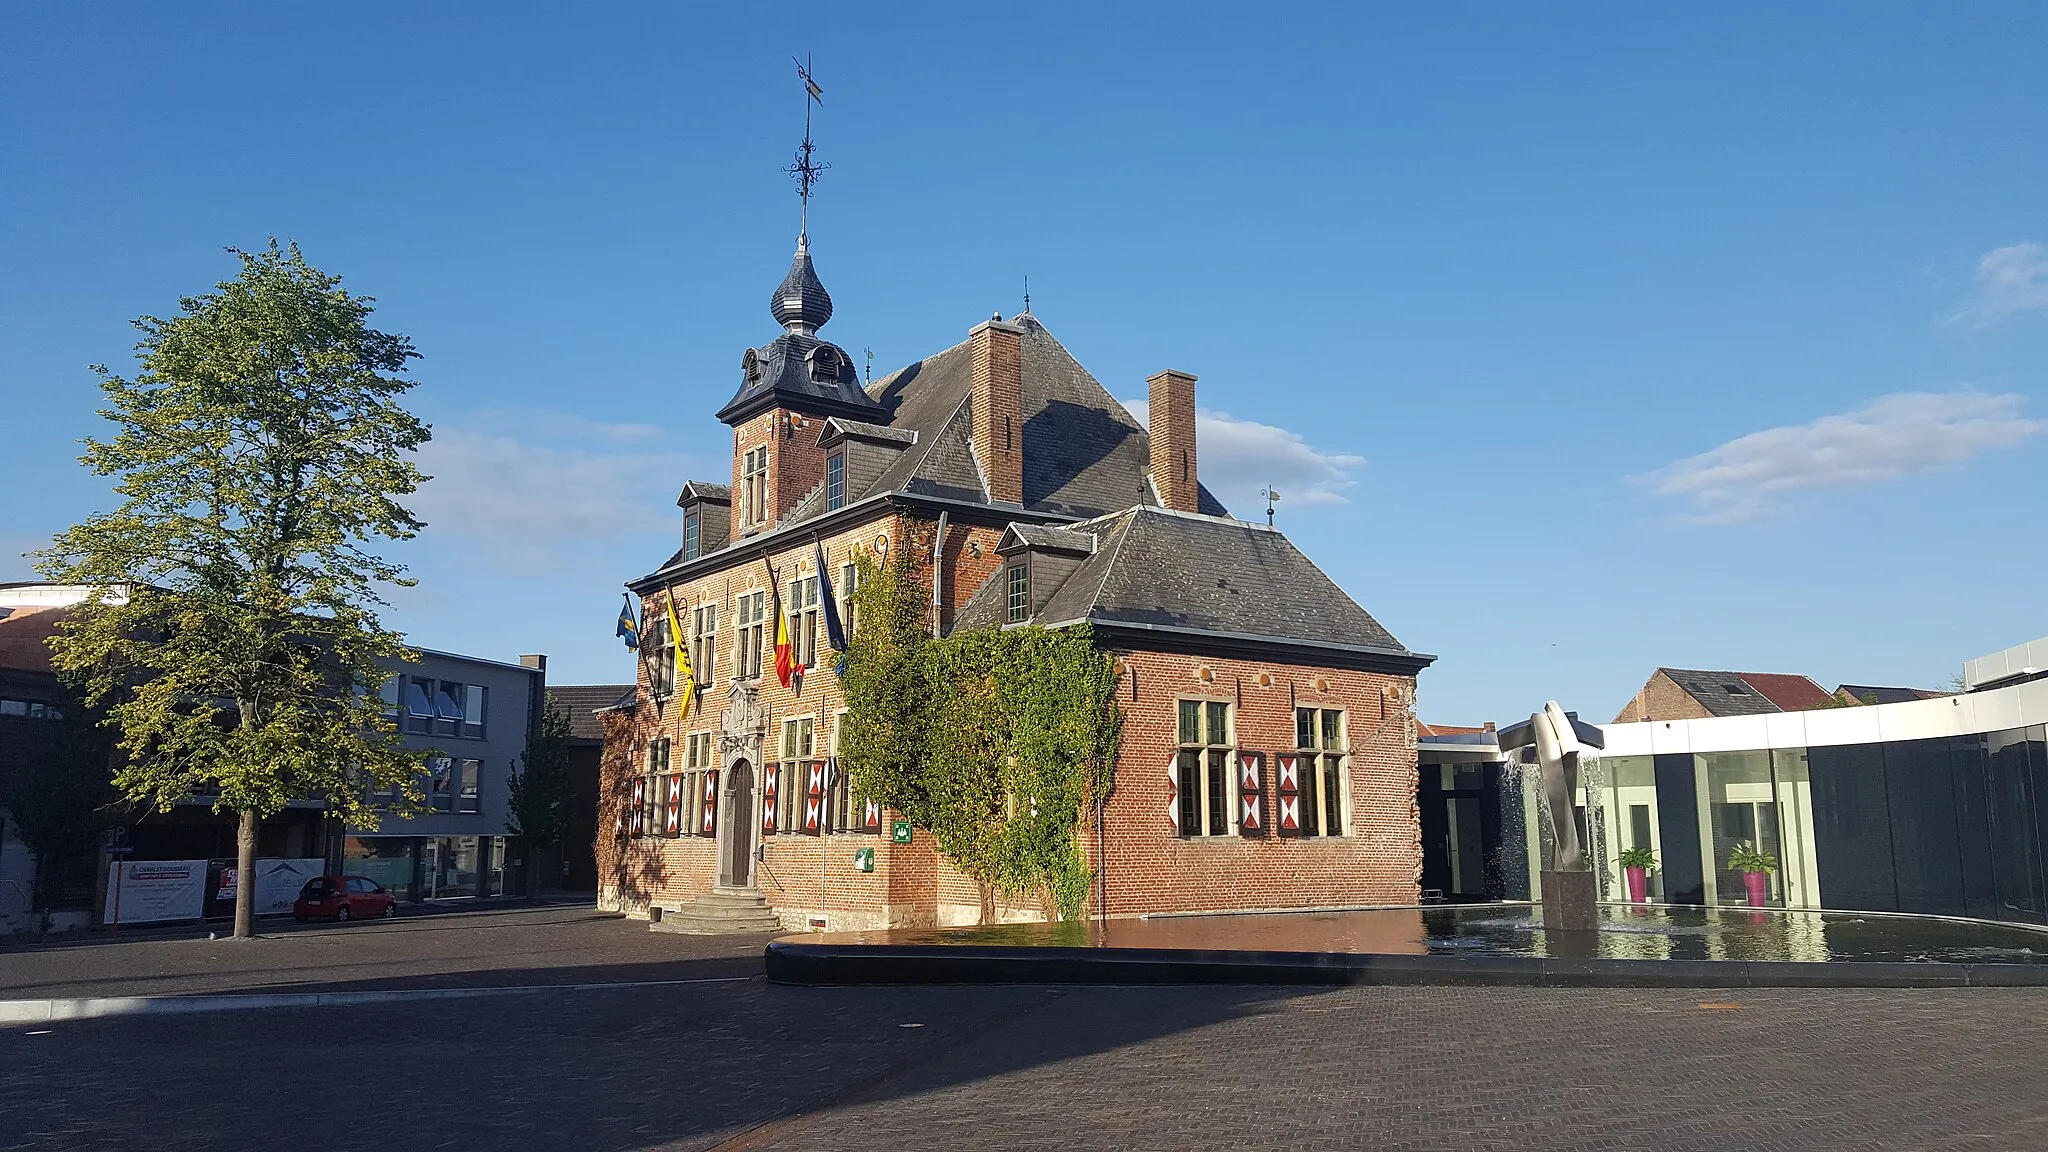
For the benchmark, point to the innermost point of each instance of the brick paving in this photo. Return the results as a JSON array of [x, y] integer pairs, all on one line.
[[548, 944], [751, 1065]]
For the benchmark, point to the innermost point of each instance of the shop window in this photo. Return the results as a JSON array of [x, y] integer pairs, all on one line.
[[1319, 748], [1204, 766]]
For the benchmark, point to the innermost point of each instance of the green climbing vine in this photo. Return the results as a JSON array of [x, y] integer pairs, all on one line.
[[998, 743]]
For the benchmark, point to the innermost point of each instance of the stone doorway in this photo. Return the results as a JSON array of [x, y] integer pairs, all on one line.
[[739, 828]]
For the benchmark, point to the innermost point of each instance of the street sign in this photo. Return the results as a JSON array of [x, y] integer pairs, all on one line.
[[901, 832], [117, 842], [864, 860]]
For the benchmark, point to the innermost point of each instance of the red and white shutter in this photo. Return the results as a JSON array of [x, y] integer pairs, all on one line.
[[769, 772], [871, 817], [1287, 782], [1251, 818], [640, 806], [814, 798], [672, 808], [1173, 793], [709, 825]]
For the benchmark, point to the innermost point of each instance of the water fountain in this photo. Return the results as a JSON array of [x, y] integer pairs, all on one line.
[[1571, 895]]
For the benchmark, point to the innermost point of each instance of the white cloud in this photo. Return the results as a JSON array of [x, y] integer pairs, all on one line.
[[532, 486], [2010, 281], [1237, 458], [1893, 436]]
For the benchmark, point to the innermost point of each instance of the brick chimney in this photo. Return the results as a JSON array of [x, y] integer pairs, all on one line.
[[1172, 419], [999, 408]]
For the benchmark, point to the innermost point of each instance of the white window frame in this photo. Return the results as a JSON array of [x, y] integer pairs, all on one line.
[[1207, 765], [750, 630], [798, 748], [704, 643], [1315, 780], [800, 604], [754, 485]]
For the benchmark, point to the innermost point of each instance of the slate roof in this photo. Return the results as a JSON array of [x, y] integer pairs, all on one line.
[[1045, 536], [1084, 455], [864, 431], [1747, 693], [706, 490], [1200, 574], [1880, 694], [783, 372], [582, 702]]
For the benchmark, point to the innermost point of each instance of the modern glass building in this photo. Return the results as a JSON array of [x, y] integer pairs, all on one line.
[[1935, 806]]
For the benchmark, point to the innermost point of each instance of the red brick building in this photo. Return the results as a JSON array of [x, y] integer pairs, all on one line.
[[1268, 754]]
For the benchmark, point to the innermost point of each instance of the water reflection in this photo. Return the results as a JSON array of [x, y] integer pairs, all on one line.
[[1626, 933]]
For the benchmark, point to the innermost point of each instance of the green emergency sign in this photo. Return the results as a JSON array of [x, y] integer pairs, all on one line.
[[901, 832]]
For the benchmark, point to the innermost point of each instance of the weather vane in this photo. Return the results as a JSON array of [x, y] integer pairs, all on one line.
[[1027, 293], [805, 169], [1272, 496]]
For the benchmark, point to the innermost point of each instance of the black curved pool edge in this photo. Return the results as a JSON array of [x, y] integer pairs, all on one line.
[[792, 961]]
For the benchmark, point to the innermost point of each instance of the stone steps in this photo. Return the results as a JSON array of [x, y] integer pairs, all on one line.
[[722, 911]]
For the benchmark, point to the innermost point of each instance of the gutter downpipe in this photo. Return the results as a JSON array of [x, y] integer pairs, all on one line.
[[938, 573]]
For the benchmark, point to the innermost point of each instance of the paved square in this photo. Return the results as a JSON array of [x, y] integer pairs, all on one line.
[[749, 1065]]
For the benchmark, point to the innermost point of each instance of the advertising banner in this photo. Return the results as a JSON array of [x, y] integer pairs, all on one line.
[[140, 891], [277, 885]]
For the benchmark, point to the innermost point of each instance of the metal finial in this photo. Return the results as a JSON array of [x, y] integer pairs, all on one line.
[[1272, 495], [806, 170], [1027, 292], [871, 364]]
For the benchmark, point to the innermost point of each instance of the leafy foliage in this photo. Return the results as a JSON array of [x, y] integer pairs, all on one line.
[[540, 792], [1747, 858], [236, 646], [996, 742], [1638, 857]]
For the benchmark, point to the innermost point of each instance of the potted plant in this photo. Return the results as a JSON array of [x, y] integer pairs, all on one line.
[[1637, 863], [1756, 868]]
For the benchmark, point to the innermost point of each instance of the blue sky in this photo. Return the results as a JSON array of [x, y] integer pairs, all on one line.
[[1579, 338]]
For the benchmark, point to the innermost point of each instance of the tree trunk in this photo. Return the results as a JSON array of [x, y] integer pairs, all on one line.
[[245, 876]]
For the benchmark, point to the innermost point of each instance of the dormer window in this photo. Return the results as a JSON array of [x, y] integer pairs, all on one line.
[[750, 366], [1019, 593], [825, 363], [835, 481], [693, 534]]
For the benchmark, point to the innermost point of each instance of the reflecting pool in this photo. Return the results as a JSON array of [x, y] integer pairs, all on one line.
[[1625, 933]]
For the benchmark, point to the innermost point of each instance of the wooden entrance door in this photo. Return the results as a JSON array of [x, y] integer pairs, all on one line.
[[739, 825]]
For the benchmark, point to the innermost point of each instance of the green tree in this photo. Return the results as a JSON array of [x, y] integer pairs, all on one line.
[[61, 795], [540, 790], [236, 647]]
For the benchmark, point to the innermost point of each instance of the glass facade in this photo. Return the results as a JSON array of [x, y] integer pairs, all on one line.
[[1951, 825]]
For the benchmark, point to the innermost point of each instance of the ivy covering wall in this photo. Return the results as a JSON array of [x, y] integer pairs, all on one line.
[[998, 743]]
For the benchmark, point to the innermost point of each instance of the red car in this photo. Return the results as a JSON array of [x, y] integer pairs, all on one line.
[[344, 898]]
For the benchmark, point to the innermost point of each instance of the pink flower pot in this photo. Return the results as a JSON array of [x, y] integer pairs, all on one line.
[[1759, 888], [1638, 885]]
